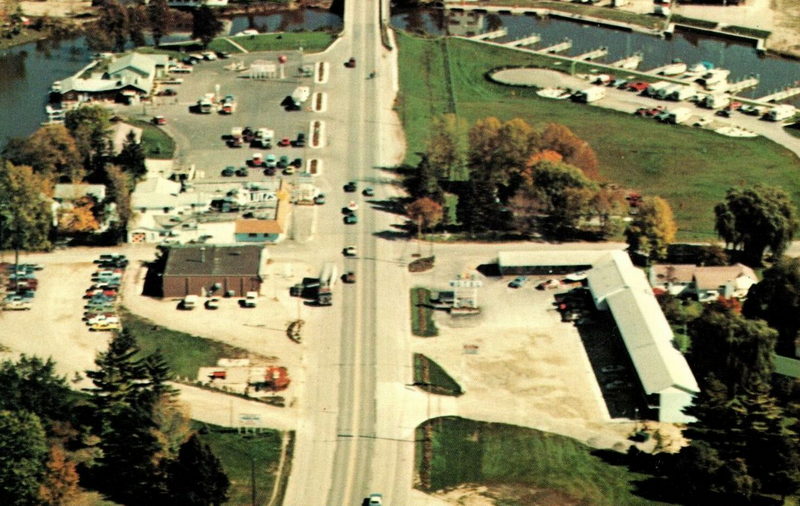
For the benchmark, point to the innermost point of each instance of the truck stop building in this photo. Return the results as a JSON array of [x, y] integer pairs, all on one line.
[[198, 269]]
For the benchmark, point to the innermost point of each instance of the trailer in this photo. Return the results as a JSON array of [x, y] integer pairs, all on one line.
[[682, 93], [781, 112], [300, 95], [652, 89], [591, 94], [264, 137], [716, 101], [327, 280], [678, 115], [664, 93]]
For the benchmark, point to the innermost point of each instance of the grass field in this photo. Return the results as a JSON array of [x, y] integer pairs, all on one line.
[[238, 452], [466, 451], [422, 323], [183, 352], [436, 381], [311, 42], [155, 142], [689, 167]]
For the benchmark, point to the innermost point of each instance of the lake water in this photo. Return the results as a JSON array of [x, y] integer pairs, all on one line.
[[27, 71], [740, 58]]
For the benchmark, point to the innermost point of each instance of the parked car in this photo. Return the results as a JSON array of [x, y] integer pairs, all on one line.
[[375, 500], [300, 141], [212, 303], [350, 219], [242, 172], [351, 63], [285, 141], [350, 251], [271, 161], [518, 282], [351, 187], [368, 192], [288, 171], [159, 120], [349, 277], [319, 199], [548, 284], [283, 162], [167, 92], [105, 326], [637, 86], [228, 171], [297, 163]]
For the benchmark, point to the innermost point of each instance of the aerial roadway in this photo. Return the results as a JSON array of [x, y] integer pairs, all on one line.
[[344, 451]]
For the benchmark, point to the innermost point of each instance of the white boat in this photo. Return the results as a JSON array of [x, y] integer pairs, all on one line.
[[734, 131], [554, 93], [630, 63], [715, 79], [674, 69]]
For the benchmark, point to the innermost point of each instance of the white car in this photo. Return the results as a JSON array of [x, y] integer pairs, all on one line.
[[375, 500], [352, 206], [350, 251]]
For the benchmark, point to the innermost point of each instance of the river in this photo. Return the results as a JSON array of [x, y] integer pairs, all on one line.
[[737, 56]]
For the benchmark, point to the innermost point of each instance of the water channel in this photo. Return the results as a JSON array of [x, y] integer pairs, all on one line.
[[737, 56], [27, 71]]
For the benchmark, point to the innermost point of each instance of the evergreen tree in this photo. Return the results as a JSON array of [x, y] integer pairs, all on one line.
[[131, 157], [23, 453], [205, 25], [31, 384], [124, 404], [478, 209], [197, 477]]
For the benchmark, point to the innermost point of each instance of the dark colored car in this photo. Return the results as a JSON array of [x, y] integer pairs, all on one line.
[[300, 141], [351, 187], [283, 162], [351, 63], [297, 163], [368, 192], [242, 172], [228, 171]]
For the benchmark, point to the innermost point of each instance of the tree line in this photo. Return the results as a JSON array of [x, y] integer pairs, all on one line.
[[79, 151], [129, 439], [511, 178], [119, 25]]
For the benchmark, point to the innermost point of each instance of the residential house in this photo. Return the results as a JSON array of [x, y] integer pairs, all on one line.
[[706, 283]]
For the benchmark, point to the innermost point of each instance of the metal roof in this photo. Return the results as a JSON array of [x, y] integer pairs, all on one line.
[[644, 329]]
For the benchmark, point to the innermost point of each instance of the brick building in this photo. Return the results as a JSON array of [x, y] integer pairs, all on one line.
[[197, 269]]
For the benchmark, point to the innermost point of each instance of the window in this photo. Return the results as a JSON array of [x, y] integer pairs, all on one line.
[[252, 235]]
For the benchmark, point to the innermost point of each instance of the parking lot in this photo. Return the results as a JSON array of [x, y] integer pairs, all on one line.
[[200, 137]]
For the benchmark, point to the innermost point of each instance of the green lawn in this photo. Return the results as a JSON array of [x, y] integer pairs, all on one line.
[[436, 380], [466, 451], [238, 452], [422, 323], [689, 167], [155, 142], [183, 352], [311, 42]]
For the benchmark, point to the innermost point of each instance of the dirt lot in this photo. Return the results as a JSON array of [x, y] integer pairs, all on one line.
[[531, 369]]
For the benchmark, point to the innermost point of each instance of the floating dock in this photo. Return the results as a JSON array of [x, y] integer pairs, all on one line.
[[491, 35], [593, 55], [781, 95], [564, 45], [747, 82], [526, 41]]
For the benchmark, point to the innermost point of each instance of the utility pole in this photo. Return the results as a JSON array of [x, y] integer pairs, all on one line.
[[252, 481]]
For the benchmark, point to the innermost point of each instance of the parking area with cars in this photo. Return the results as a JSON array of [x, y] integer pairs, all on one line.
[[18, 284], [102, 296]]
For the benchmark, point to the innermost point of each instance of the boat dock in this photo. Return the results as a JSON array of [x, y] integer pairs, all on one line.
[[747, 82], [594, 54], [781, 95], [525, 41], [491, 35], [631, 62], [564, 45]]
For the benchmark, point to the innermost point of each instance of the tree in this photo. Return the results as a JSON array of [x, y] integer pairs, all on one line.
[[137, 23], [484, 143], [79, 218], [60, 483], [161, 20], [425, 213], [23, 452], [51, 151], [478, 209], [119, 193], [564, 193], [112, 29], [123, 399], [446, 152], [776, 299], [498, 152], [652, 229], [25, 216], [755, 219], [131, 157], [197, 477], [91, 128], [30, 384], [576, 151], [731, 348], [205, 25]]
